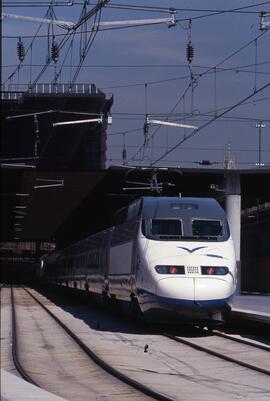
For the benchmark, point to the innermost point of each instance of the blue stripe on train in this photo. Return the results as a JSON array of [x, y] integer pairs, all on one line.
[[143, 294]]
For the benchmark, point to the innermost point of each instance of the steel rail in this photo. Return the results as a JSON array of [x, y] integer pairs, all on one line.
[[217, 354], [241, 340], [101, 363], [15, 349]]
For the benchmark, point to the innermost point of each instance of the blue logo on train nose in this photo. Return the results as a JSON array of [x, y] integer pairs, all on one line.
[[192, 250]]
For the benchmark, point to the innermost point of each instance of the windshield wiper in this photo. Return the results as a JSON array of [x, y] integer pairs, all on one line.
[[185, 238], [169, 236], [206, 237]]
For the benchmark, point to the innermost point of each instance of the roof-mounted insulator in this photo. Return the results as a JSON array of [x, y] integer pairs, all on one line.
[[189, 52], [55, 51], [124, 155], [20, 50]]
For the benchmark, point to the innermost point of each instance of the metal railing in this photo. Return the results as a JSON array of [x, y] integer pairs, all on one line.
[[16, 91]]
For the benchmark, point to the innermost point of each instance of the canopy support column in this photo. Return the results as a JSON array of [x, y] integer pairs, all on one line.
[[233, 210]]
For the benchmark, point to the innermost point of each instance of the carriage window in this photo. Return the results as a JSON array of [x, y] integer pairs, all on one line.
[[205, 228], [166, 227]]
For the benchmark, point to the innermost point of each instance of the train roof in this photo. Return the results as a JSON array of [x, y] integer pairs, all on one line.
[[176, 206]]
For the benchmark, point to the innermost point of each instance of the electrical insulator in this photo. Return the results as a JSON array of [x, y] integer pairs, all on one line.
[[55, 51], [145, 129], [205, 163], [190, 52], [36, 146], [20, 50], [124, 155]]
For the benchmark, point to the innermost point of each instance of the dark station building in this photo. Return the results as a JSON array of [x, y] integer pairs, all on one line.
[[29, 133], [56, 188], [45, 163]]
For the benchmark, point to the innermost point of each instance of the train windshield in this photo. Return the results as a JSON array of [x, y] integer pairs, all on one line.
[[190, 229], [163, 227], [207, 228]]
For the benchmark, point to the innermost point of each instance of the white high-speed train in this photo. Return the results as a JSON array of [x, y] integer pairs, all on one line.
[[169, 258]]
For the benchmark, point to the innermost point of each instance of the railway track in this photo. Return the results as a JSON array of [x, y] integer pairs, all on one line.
[[139, 391], [235, 338], [15, 348], [248, 354], [176, 372]]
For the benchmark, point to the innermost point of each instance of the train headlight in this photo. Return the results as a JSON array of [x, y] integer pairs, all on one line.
[[215, 270], [171, 269]]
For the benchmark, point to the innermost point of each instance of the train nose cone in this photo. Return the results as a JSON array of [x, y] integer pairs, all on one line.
[[211, 288], [176, 287]]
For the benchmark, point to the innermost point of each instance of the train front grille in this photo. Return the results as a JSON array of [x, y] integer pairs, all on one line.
[[192, 270]]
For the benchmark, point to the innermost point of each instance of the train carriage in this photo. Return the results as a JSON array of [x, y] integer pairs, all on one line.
[[173, 258]]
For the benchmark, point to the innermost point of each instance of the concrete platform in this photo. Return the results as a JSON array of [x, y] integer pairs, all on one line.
[[252, 307], [13, 388]]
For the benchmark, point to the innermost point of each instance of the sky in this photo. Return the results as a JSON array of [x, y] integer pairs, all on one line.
[[224, 90]]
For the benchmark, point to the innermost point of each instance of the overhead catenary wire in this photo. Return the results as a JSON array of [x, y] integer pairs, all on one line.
[[212, 70], [166, 9], [181, 162], [12, 4], [212, 13], [48, 13], [199, 76], [201, 149], [198, 118], [66, 37], [238, 10], [208, 163], [87, 45], [212, 112], [69, 50], [255, 64], [18, 66], [210, 122], [231, 55], [158, 128], [153, 66], [139, 25], [156, 82]]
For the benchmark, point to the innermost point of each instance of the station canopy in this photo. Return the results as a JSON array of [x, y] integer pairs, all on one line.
[[64, 206]]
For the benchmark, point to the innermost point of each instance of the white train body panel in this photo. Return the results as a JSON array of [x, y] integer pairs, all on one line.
[[121, 259], [174, 257]]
